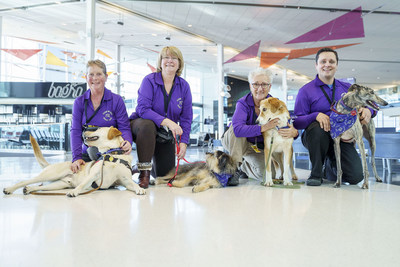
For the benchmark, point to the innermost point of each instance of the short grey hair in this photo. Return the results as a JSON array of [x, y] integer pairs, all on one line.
[[260, 71]]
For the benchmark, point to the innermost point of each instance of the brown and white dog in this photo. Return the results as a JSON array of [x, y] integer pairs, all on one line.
[[213, 173], [116, 169], [275, 146]]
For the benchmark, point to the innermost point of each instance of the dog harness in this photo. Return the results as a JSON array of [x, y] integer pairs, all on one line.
[[110, 158], [222, 178], [341, 122]]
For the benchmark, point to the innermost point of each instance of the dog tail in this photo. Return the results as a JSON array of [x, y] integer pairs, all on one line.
[[38, 153]]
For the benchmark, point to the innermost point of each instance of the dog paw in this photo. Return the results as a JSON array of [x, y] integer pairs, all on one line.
[[26, 190], [7, 191], [294, 177], [72, 193], [364, 186], [336, 185], [196, 189], [140, 191], [267, 183], [288, 183]]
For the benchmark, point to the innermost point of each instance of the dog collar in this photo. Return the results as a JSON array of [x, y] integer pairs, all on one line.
[[284, 127], [353, 112], [223, 178]]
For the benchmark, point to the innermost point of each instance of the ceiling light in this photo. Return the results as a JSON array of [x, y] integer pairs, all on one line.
[[190, 25]]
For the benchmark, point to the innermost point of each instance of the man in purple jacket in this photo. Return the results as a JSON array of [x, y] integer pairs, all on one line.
[[312, 110]]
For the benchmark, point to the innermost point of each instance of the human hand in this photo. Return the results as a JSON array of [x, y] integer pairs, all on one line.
[[324, 121], [182, 151], [127, 147], [175, 128], [290, 132], [76, 165], [365, 115], [270, 125]]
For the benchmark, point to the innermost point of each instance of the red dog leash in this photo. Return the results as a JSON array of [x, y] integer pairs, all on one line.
[[177, 166]]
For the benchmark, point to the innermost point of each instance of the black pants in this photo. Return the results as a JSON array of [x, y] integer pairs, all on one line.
[[320, 146], [144, 135]]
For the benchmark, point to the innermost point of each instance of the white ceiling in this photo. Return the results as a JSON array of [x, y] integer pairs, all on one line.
[[235, 24]]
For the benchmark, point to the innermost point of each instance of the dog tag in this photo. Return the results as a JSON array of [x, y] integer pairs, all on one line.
[[255, 148]]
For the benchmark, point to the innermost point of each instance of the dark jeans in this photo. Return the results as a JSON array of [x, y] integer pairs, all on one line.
[[144, 135], [321, 150]]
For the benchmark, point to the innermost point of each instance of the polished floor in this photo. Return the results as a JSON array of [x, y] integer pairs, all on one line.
[[247, 225]]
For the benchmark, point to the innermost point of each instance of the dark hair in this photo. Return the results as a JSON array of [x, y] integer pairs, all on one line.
[[326, 49]]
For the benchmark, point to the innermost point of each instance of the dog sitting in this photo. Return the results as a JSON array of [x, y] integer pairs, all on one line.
[[213, 173], [116, 169], [346, 126], [276, 147]]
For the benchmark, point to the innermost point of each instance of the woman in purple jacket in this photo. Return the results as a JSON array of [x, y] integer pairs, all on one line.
[[99, 107], [244, 139], [164, 100]]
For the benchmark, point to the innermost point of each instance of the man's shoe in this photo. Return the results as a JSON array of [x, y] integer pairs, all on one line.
[[313, 181]]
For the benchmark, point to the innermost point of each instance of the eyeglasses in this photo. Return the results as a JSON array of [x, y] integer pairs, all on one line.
[[263, 85], [170, 58]]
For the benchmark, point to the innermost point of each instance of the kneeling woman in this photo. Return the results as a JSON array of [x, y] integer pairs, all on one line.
[[164, 99]]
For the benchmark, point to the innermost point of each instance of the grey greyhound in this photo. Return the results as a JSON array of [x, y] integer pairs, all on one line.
[[346, 126]]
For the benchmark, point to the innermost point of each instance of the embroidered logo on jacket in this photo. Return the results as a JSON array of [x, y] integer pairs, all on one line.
[[107, 115], [180, 102]]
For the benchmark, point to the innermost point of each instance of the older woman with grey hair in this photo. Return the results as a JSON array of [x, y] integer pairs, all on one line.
[[243, 139]]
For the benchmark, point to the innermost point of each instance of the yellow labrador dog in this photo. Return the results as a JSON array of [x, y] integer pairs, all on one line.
[[116, 169], [275, 146]]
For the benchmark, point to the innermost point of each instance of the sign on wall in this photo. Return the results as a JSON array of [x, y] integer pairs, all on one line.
[[53, 90]]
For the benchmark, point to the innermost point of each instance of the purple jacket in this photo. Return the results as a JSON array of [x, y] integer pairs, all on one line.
[[311, 100], [150, 104], [243, 120], [112, 112]]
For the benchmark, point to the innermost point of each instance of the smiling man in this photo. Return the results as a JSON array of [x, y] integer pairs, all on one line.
[[312, 110]]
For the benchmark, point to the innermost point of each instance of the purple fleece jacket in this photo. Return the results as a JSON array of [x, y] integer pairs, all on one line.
[[150, 103]]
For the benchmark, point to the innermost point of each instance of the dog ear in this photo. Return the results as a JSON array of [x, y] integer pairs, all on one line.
[[354, 87], [274, 104], [223, 160], [113, 132]]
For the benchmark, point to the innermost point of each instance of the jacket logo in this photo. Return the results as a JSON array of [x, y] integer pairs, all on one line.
[[107, 115], [180, 102]]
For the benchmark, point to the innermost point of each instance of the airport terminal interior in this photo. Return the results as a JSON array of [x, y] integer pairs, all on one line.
[[44, 49]]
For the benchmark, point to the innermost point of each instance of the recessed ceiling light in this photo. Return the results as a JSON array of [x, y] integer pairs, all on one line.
[[190, 25], [233, 71], [154, 34]]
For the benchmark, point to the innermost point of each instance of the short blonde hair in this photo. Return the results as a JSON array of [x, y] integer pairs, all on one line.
[[98, 63], [173, 51], [260, 71]]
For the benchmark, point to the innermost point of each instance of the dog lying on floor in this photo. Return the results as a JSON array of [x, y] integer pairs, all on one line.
[[276, 148], [116, 169], [213, 173], [346, 126]]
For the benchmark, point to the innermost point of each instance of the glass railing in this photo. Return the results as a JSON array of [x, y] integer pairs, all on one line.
[[51, 138]]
